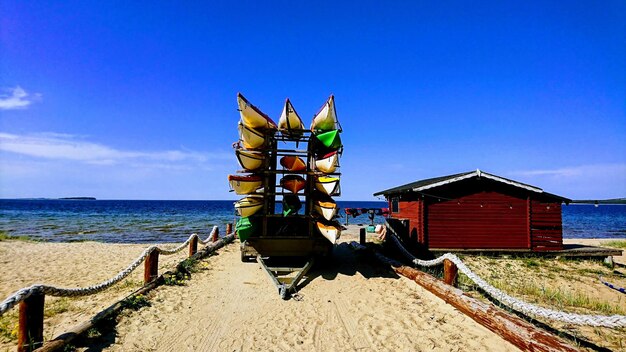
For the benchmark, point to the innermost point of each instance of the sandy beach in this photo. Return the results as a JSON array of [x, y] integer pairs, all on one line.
[[348, 304], [229, 305]]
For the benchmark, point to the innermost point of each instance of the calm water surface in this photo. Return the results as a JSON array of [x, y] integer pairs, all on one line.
[[138, 221], [127, 221]]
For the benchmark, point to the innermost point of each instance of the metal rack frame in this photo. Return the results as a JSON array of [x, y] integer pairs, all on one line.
[[306, 242]]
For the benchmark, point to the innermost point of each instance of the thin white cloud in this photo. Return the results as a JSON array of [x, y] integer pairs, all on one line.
[[591, 181], [575, 171], [563, 172], [72, 148], [16, 98]]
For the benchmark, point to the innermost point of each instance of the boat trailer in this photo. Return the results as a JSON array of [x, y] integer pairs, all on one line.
[[285, 273]]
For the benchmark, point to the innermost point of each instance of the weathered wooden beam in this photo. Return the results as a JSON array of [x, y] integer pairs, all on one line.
[[450, 272], [215, 235], [30, 330], [362, 236], [511, 328], [229, 228], [151, 267]]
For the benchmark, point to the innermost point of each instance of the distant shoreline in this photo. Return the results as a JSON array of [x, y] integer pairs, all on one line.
[[599, 201], [575, 201]]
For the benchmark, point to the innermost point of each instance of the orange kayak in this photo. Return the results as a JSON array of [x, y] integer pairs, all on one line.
[[293, 183], [293, 163]]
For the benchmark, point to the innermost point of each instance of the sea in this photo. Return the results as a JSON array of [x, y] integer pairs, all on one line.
[[160, 221]]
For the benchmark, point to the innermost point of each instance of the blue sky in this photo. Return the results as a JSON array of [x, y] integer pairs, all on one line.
[[137, 100]]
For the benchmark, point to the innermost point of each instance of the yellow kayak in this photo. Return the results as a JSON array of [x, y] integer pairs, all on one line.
[[251, 138], [248, 206], [250, 160], [245, 184], [253, 117]]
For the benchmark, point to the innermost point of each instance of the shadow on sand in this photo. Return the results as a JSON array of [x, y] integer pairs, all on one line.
[[346, 261]]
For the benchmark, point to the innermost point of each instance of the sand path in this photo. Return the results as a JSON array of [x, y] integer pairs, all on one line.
[[349, 305]]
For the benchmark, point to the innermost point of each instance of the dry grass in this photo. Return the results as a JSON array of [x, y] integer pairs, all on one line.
[[569, 285], [615, 244], [559, 298]]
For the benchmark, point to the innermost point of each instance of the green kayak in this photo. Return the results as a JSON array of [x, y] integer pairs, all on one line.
[[330, 139], [245, 228], [291, 204]]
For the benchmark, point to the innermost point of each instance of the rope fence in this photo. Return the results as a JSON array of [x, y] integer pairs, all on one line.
[[610, 321], [610, 285], [36, 292]]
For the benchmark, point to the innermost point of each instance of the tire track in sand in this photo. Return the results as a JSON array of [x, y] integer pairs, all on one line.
[[358, 339], [350, 306]]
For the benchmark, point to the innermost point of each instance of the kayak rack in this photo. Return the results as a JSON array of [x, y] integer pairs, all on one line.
[[285, 277]]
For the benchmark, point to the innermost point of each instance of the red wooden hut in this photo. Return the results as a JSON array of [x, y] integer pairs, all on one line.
[[477, 210]]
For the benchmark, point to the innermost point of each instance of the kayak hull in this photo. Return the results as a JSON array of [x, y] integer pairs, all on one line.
[[253, 117], [248, 206], [245, 228], [251, 138], [293, 183], [330, 139], [330, 232], [293, 163], [328, 163], [327, 185], [290, 122], [245, 184], [291, 204], [249, 160], [326, 117], [327, 210]]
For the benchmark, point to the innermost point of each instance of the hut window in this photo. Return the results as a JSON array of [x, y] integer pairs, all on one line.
[[395, 206]]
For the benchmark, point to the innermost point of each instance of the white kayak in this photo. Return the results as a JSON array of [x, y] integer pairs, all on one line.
[[326, 209], [290, 122], [331, 232], [327, 185], [326, 117], [327, 163]]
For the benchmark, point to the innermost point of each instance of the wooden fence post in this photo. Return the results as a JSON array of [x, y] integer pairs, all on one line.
[[216, 234], [193, 246], [229, 228], [362, 235], [151, 267], [30, 333], [449, 272]]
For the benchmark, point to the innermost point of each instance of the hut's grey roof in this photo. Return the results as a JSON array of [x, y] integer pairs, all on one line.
[[422, 185]]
